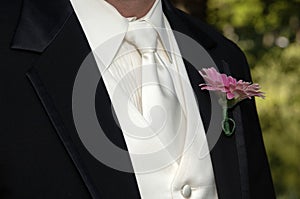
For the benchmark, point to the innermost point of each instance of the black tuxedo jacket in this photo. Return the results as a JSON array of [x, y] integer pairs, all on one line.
[[41, 156]]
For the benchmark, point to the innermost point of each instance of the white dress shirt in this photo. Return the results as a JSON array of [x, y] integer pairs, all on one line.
[[159, 175]]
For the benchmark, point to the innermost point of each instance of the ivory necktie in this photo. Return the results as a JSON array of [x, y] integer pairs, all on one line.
[[160, 105]]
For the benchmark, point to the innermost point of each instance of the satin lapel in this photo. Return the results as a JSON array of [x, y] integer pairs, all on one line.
[[229, 163], [190, 57], [62, 52], [240, 142], [60, 128]]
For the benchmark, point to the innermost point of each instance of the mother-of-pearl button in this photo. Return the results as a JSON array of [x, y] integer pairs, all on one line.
[[186, 191]]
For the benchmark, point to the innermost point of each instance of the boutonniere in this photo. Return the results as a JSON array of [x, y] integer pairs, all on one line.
[[230, 92]]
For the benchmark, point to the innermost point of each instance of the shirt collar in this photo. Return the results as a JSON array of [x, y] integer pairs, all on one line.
[[105, 27]]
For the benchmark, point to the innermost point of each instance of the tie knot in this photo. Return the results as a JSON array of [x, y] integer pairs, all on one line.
[[142, 35]]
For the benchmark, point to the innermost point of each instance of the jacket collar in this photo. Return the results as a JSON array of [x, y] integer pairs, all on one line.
[[181, 23], [41, 22]]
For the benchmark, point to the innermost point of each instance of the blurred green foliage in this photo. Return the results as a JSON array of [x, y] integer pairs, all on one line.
[[268, 31]]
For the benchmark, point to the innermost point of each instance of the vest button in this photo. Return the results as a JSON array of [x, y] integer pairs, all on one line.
[[186, 191]]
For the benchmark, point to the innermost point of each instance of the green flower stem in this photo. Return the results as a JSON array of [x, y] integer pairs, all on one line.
[[228, 130]]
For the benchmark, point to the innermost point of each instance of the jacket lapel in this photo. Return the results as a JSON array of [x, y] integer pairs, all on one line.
[[180, 26], [62, 46], [228, 154]]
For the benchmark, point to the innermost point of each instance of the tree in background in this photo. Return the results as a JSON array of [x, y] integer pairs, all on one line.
[[269, 33]]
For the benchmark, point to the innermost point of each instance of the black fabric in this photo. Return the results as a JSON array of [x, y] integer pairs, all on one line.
[[46, 42], [40, 22], [62, 133]]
